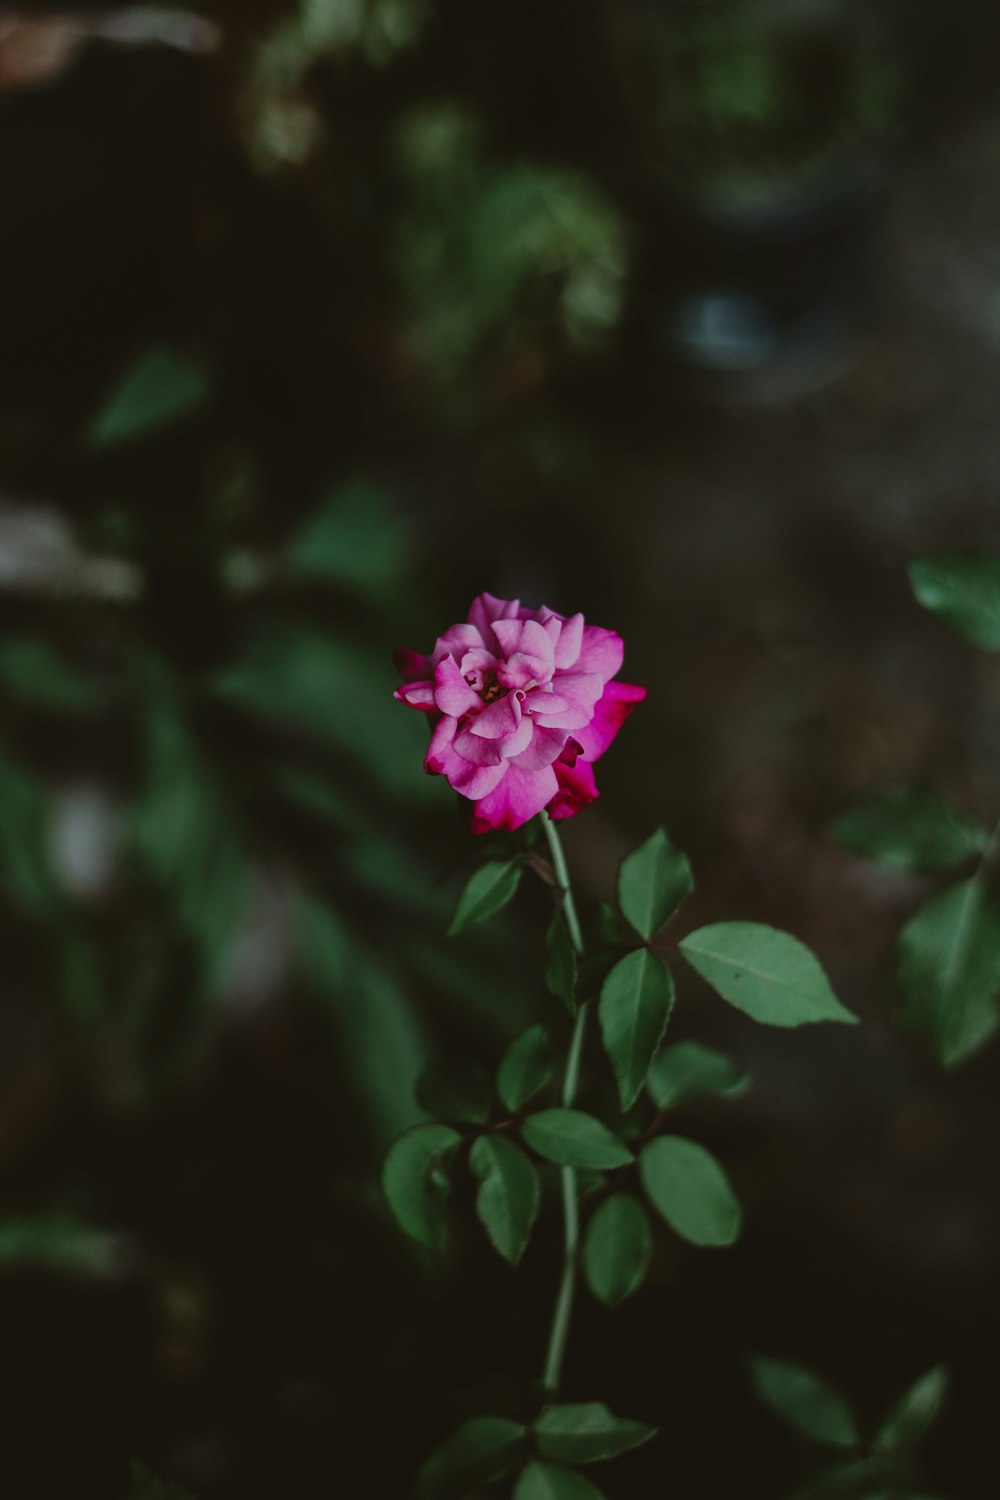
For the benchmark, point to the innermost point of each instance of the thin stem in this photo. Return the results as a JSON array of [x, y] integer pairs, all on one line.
[[571, 1219]]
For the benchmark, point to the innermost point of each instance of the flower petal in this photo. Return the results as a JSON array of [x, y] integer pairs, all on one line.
[[411, 665], [568, 645], [526, 638], [610, 713], [577, 789], [543, 747], [502, 717], [601, 651], [517, 742], [543, 701], [443, 759], [581, 691], [484, 609], [452, 693], [455, 642], [481, 752], [518, 797], [417, 695]]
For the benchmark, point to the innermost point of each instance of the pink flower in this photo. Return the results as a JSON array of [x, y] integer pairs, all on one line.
[[523, 702]]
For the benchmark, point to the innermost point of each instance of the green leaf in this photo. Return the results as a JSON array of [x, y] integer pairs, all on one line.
[[33, 670], [616, 1249], [805, 1400], [652, 882], [574, 1139], [481, 1450], [915, 1412], [686, 1069], [60, 1242], [525, 1068], [489, 889], [507, 1201], [586, 1433], [356, 537], [844, 1481], [688, 1187], [553, 1482], [607, 929], [161, 388], [379, 1039], [636, 1000], [905, 828], [767, 973], [414, 1185], [949, 969], [454, 1092], [964, 591], [560, 967]]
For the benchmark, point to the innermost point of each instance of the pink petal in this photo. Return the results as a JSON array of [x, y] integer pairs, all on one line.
[[485, 609], [543, 701], [518, 797], [577, 789], [443, 759], [520, 670], [410, 665], [417, 695], [610, 713], [516, 742], [545, 746], [581, 690], [455, 642], [502, 717], [480, 752], [526, 638], [452, 693], [601, 651], [567, 650]]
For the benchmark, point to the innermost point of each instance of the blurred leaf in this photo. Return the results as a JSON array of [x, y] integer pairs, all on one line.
[[636, 1001], [906, 828], [454, 1091], [58, 1242], [355, 538], [767, 973], [507, 1201], [553, 1482], [964, 590], [24, 872], [481, 1450], [616, 1249], [949, 969], [525, 1068], [688, 1187], [844, 1481], [487, 891], [32, 670], [339, 693], [414, 1181], [161, 388], [574, 1139], [914, 1414], [686, 1069], [652, 882], [607, 929], [587, 1433], [185, 832], [805, 1400], [380, 1040], [560, 966], [148, 1486]]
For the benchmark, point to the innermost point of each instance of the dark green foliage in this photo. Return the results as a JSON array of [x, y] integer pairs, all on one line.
[[652, 882], [482, 1449], [586, 1433], [525, 1068]]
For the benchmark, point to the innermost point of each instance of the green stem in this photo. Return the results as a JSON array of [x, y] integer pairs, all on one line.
[[571, 1219]]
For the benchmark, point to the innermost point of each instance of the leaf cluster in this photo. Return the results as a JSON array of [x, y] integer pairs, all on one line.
[[948, 956], [867, 1468]]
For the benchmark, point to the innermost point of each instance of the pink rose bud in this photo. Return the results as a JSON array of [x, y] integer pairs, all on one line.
[[523, 702]]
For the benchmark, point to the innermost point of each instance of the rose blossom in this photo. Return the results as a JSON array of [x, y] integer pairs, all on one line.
[[523, 702]]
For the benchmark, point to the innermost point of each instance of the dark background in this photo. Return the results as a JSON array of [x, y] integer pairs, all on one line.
[[684, 315]]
